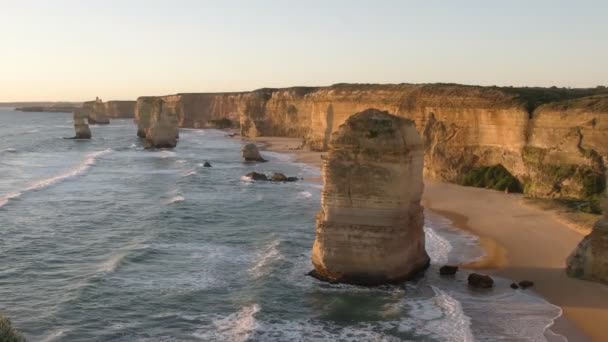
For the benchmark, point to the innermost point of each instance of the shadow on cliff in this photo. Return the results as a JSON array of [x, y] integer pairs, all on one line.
[[329, 124]]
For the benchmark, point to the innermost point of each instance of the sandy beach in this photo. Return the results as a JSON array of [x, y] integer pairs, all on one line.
[[522, 243]]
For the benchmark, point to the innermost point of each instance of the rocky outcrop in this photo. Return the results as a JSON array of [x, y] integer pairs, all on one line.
[[590, 259], [120, 109], [550, 139], [481, 281], [251, 153], [80, 124], [369, 228], [162, 128], [7, 332]]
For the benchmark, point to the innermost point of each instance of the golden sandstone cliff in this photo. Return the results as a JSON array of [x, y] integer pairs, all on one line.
[[157, 122], [369, 228], [553, 141], [101, 111]]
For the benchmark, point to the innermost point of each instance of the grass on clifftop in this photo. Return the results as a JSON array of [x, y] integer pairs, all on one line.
[[7, 332], [492, 177]]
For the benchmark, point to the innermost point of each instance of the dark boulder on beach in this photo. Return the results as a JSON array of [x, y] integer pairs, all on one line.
[[448, 270], [524, 284], [481, 281]]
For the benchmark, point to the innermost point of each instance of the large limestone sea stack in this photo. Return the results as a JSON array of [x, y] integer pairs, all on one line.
[[369, 229], [162, 129], [590, 259]]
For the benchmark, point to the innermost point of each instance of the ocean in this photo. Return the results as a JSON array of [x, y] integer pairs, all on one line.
[[102, 240]]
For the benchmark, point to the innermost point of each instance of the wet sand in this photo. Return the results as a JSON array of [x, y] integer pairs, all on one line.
[[522, 243]]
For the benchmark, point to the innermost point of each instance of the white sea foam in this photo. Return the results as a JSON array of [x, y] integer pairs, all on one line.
[[266, 256], [440, 317], [79, 169], [113, 262], [53, 336], [437, 247], [189, 173], [9, 150], [235, 327], [33, 131], [180, 161], [305, 194], [175, 199]]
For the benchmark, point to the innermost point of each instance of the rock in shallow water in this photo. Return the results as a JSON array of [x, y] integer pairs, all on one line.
[[257, 176], [369, 228], [481, 281], [448, 270], [251, 153]]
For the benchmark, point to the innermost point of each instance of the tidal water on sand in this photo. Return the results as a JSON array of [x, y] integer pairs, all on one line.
[[102, 240]]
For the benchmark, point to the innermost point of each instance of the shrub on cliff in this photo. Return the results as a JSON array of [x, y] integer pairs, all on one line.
[[491, 177], [7, 332]]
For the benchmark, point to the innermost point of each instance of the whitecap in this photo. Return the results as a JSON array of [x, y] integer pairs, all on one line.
[[437, 247], [53, 336], [10, 150], [305, 194], [180, 161], [235, 327], [33, 131], [189, 173], [264, 257], [81, 168], [175, 199]]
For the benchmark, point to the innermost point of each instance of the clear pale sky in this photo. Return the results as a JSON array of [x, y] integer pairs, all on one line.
[[76, 50]]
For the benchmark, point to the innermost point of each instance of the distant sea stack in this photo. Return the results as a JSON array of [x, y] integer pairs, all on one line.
[[97, 112], [590, 259], [369, 228], [162, 128], [80, 124]]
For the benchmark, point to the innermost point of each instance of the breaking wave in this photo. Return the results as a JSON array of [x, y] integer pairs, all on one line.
[[80, 169]]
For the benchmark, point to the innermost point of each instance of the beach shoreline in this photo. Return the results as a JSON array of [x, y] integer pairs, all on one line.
[[521, 242]]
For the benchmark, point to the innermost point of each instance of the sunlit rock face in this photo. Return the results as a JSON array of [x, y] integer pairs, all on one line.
[[369, 228], [96, 111], [162, 130], [80, 125], [590, 259]]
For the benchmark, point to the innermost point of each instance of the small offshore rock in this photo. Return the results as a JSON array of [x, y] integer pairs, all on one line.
[[207, 164], [257, 176], [251, 153], [292, 179], [278, 177], [448, 270], [514, 286], [480, 281], [524, 284]]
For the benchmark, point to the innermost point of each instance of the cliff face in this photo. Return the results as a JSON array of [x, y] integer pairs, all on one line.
[[369, 228], [162, 128], [590, 259], [463, 127], [81, 127], [120, 109]]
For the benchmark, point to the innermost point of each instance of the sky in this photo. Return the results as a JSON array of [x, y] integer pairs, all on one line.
[[77, 50]]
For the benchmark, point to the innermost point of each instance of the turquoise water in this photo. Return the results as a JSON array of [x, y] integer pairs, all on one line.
[[102, 240]]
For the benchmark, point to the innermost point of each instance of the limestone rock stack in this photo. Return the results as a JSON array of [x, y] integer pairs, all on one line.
[[80, 124], [590, 259], [162, 127], [143, 108], [96, 112], [369, 229]]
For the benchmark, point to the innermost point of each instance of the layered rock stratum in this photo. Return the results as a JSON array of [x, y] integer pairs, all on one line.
[[369, 228], [554, 141], [162, 125], [590, 259], [100, 112]]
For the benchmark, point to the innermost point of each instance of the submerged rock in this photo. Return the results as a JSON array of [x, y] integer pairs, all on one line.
[[514, 286], [251, 153], [369, 228], [207, 164], [480, 281], [589, 260], [448, 270], [275, 177]]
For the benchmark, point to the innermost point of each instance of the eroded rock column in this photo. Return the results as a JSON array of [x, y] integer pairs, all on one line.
[[80, 124], [590, 259], [162, 130], [369, 229]]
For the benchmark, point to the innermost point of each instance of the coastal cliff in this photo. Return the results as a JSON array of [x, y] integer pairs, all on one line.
[[553, 141], [100, 111], [369, 228]]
